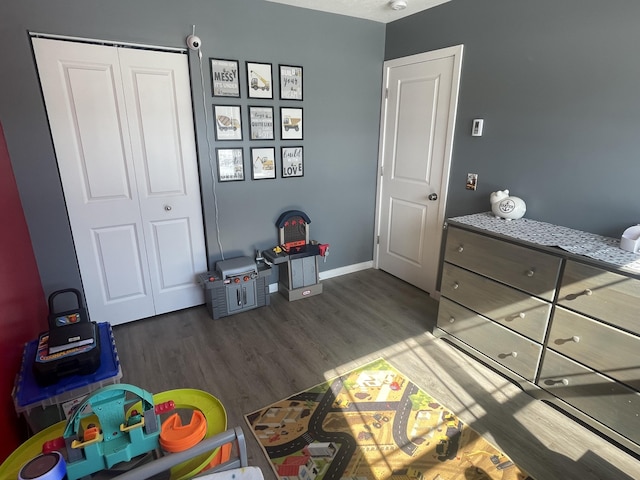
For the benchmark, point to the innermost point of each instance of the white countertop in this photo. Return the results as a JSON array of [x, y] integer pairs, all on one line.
[[604, 249]]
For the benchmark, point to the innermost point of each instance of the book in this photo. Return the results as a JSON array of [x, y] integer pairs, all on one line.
[[71, 336]]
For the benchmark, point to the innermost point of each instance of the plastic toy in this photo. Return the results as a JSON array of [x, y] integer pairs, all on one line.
[[505, 206], [297, 256], [119, 422], [48, 466], [110, 436]]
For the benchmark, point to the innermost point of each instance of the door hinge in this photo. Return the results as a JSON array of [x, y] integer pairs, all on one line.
[[382, 171], [386, 93], [378, 240]]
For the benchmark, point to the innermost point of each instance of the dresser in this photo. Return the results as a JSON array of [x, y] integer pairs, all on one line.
[[564, 326]]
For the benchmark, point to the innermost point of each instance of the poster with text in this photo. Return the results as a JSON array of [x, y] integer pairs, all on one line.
[[224, 78], [230, 164], [261, 123], [290, 82], [292, 164]]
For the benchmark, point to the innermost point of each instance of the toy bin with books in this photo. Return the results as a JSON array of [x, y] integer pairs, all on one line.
[[43, 405]]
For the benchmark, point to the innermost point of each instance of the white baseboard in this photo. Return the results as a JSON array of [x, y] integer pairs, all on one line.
[[336, 272]]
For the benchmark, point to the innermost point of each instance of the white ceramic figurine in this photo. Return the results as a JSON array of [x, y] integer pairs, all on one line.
[[507, 207]]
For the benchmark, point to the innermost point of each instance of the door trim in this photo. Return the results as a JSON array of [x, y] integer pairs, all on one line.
[[107, 43], [456, 53]]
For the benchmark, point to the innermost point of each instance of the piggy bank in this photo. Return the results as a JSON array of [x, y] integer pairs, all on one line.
[[507, 207]]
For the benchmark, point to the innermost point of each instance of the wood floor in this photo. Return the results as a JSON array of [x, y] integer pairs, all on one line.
[[255, 358]]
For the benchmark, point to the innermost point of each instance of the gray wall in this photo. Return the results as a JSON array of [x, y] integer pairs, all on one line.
[[342, 60], [557, 84]]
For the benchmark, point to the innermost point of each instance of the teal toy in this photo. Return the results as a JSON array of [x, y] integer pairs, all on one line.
[[107, 437]]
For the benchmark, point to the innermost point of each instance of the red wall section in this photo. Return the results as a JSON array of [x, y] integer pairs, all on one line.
[[23, 309]]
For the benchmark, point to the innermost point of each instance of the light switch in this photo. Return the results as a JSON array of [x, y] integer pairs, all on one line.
[[472, 181], [476, 129]]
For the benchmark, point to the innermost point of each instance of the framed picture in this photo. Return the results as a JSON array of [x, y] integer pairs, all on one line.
[[263, 163], [225, 81], [261, 123], [230, 164], [290, 82], [259, 80], [290, 123], [292, 163], [228, 122]]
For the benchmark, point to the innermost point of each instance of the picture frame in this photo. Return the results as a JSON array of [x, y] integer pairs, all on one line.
[[228, 122], [261, 123], [263, 163], [290, 82], [225, 77], [292, 162], [291, 123], [259, 80], [230, 163]]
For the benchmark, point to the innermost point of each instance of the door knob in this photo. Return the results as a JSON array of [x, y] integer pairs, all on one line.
[[167, 208], [433, 196]]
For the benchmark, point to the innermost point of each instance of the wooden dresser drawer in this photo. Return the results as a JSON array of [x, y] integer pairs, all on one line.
[[604, 348], [512, 308], [511, 350], [605, 295], [599, 397], [520, 267]]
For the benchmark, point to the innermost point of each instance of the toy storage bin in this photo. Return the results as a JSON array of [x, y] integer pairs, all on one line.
[[44, 406]]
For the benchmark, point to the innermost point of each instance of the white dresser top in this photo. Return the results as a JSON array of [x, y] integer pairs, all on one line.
[[604, 249]]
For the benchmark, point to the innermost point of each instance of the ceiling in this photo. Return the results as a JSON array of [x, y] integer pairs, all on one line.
[[376, 10]]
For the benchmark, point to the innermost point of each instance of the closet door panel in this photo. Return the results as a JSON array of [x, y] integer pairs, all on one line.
[[122, 127], [82, 89]]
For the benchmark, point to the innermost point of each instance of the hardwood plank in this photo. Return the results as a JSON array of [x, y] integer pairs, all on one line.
[[252, 359]]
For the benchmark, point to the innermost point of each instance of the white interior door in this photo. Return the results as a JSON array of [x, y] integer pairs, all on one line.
[[417, 125], [122, 128]]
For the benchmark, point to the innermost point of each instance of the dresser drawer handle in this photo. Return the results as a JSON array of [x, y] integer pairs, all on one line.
[[588, 292], [522, 314], [530, 273], [456, 285], [514, 354], [460, 249], [452, 320], [575, 339], [565, 381]]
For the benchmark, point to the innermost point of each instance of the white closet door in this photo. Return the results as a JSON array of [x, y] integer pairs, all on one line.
[[107, 148], [158, 100]]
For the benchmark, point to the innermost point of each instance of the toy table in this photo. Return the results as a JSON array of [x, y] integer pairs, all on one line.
[[44, 406]]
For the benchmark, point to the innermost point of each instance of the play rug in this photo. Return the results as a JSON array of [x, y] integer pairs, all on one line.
[[373, 423]]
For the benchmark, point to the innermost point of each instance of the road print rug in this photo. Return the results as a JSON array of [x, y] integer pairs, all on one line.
[[373, 423]]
